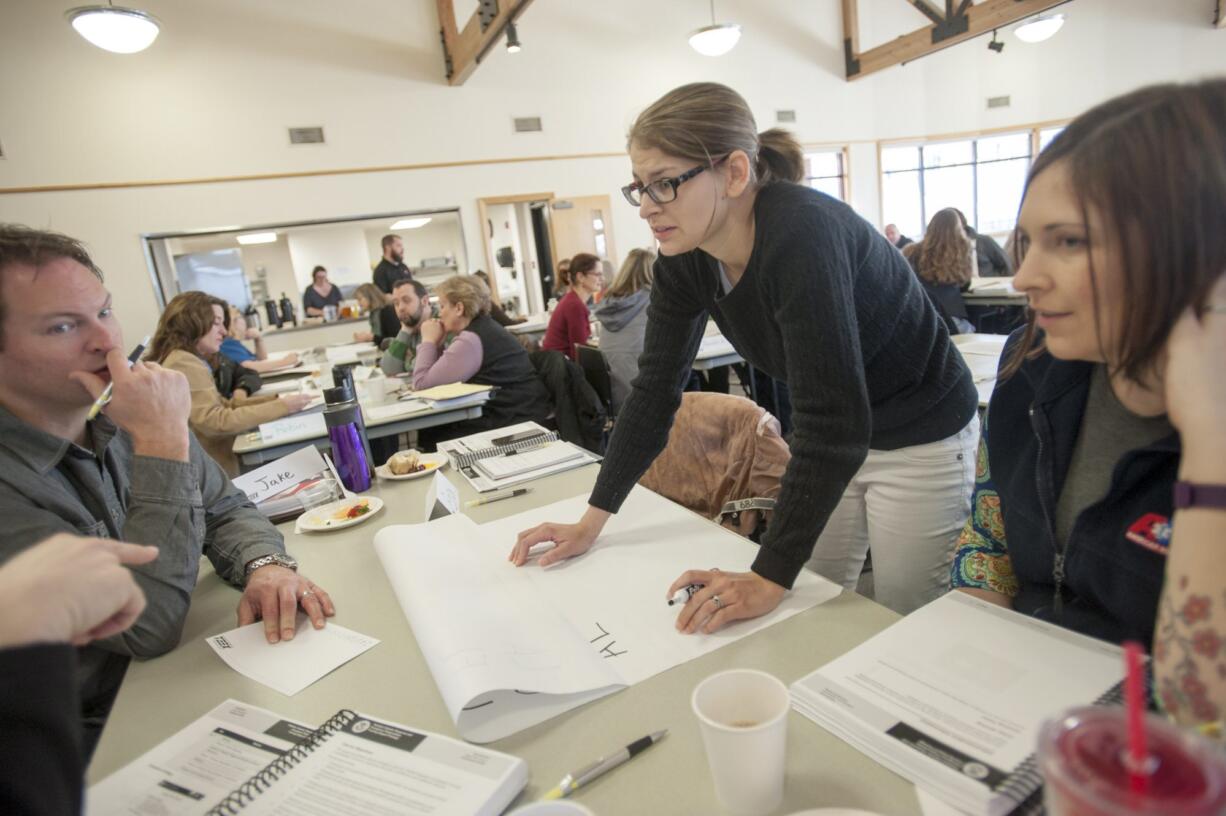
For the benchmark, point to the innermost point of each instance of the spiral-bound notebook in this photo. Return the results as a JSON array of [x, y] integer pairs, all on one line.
[[952, 696], [354, 763], [470, 450], [504, 457]]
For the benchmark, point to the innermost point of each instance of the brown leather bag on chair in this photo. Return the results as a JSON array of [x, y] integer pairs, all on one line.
[[724, 460]]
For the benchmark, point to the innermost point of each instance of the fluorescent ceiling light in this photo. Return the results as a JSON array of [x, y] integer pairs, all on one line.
[[411, 223], [715, 40], [1040, 28], [257, 238], [121, 30]]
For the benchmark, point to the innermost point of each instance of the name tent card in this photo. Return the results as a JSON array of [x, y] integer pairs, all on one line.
[[442, 499], [278, 476]]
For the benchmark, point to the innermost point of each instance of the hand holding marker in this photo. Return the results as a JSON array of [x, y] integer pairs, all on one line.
[[105, 396], [684, 594]]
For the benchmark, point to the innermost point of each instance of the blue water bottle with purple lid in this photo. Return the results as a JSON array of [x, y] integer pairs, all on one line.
[[346, 432]]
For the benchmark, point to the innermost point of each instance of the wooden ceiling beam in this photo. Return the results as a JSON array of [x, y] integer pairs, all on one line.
[[463, 49], [1220, 20], [957, 25]]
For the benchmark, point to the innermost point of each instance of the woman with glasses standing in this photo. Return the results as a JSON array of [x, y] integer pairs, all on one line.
[[884, 409], [570, 322]]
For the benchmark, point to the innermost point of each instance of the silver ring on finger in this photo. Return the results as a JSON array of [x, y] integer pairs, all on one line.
[[718, 603], [306, 593]]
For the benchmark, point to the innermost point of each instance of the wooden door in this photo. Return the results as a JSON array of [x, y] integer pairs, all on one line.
[[583, 224]]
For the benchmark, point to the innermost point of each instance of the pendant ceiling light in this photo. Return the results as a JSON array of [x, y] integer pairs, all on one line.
[[1039, 28], [122, 30], [716, 39]]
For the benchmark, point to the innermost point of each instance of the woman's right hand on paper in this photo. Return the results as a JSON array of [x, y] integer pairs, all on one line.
[[569, 540]]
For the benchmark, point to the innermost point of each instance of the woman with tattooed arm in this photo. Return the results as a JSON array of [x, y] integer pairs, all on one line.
[[1100, 499]]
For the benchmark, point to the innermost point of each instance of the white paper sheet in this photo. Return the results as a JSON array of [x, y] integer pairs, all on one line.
[[191, 771], [395, 409], [295, 426], [511, 647], [291, 665]]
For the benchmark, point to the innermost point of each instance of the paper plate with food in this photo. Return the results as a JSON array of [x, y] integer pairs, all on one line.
[[410, 465], [340, 514]]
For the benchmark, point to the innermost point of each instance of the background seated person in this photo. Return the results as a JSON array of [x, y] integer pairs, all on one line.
[[134, 472], [944, 262], [320, 293], [497, 312], [1113, 393], [63, 592], [384, 325], [189, 332], [482, 352], [232, 346], [990, 260], [411, 300], [570, 322], [622, 313]]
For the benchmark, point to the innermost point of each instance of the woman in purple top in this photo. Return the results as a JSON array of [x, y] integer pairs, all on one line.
[[481, 352]]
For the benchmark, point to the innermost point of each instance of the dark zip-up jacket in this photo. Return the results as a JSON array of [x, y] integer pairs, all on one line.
[[1106, 579]]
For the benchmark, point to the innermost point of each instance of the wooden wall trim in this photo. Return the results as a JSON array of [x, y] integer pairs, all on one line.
[[341, 171]]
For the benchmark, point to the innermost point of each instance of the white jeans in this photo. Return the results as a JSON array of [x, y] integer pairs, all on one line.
[[908, 506]]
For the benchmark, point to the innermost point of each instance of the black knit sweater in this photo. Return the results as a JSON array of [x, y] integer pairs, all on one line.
[[828, 306]]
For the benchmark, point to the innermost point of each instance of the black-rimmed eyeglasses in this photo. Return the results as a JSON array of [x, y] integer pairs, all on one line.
[[663, 190]]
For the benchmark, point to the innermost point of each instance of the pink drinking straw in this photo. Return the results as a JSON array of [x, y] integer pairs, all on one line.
[[1134, 699]]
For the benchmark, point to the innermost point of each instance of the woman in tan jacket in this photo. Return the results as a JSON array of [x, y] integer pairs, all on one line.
[[189, 335]]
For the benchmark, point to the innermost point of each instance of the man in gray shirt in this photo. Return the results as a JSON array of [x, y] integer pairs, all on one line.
[[134, 473], [412, 302]]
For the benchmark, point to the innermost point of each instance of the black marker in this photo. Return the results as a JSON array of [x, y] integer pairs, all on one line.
[[684, 594]]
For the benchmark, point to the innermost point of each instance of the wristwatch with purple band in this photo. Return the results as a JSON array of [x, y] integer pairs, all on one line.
[[1190, 494]]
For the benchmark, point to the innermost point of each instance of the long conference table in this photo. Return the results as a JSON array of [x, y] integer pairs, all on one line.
[[392, 680]]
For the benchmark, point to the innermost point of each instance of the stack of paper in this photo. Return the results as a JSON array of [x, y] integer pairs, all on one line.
[[952, 697], [492, 460]]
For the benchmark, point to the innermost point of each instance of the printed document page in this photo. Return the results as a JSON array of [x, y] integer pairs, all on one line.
[[373, 768], [194, 769], [953, 694]]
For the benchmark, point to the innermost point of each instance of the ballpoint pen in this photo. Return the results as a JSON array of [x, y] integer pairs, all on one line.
[[573, 781], [519, 491], [105, 396]]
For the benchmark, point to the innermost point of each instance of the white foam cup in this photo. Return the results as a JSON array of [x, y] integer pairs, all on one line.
[[743, 714]]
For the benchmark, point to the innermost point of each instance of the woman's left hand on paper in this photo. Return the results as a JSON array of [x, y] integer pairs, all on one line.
[[740, 595]]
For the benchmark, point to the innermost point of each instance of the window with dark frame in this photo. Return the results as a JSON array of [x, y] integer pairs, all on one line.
[[825, 170], [982, 176]]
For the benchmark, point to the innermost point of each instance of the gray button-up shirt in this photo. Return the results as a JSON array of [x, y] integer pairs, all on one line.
[[188, 509]]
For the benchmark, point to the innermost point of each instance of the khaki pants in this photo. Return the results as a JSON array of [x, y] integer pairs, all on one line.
[[907, 506]]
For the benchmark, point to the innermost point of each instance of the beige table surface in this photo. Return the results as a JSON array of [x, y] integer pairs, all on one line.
[[392, 680]]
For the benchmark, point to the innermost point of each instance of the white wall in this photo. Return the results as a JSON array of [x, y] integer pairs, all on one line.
[[339, 248], [214, 95], [439, 238]]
